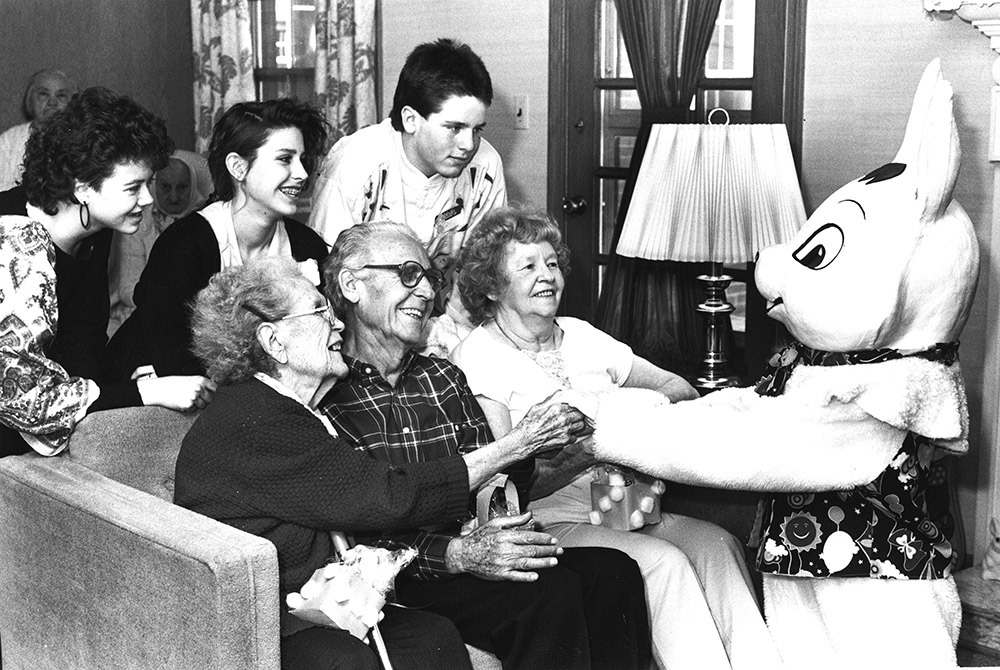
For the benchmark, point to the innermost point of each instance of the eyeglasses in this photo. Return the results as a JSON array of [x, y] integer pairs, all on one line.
[[411, 272], [326, 310]]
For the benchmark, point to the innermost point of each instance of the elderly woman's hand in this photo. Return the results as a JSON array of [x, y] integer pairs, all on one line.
[[549, 425], [181, 393], [503, 549]]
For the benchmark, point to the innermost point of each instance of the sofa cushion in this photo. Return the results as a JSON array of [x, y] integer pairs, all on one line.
[[136, 446]]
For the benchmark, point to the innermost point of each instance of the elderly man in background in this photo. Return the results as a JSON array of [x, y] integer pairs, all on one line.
[[48, 92], [509, 590]]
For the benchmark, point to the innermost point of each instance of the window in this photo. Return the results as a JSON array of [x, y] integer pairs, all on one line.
[[729, 64], [727, 84], [284, 43]]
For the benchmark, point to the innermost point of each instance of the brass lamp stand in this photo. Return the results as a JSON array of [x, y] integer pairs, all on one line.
[[715, 308]]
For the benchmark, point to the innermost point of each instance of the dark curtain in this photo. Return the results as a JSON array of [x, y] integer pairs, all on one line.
[[650, 304]]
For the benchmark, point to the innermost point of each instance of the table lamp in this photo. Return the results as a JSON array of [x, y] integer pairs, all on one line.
[[716, 193]]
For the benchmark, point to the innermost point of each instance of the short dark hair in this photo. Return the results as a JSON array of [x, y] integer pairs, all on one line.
[[436, 71], [245, 127], [352, 250], [97, 131], [481, 263]]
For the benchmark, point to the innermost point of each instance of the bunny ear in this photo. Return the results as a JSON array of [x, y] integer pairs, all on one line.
[[930, 144], [909, 149]]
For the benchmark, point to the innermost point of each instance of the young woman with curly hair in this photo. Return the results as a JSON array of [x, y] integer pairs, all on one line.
[[86, 175], [260, 158]]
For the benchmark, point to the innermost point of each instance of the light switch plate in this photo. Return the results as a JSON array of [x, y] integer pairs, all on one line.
[[521, 112]]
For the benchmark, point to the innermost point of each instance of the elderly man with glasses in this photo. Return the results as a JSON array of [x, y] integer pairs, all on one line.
[[509, 589]]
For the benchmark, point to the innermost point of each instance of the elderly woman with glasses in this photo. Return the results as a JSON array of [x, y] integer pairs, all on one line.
[[261, 458], [512, 274]]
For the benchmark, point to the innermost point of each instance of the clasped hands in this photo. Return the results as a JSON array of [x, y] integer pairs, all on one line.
[[505, 548], [551, 425]]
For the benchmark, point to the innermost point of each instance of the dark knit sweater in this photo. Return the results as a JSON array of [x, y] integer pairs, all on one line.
[[182, 260], [261, 462]]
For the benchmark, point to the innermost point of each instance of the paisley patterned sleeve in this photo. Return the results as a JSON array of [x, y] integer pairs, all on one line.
[[37, 397]]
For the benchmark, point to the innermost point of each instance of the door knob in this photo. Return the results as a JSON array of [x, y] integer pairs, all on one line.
[[574, 205]]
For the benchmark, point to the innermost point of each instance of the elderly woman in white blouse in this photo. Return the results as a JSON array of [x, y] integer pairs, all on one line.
[[703, 609]]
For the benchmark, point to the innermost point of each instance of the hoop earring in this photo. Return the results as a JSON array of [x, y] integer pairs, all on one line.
[[85, 220]]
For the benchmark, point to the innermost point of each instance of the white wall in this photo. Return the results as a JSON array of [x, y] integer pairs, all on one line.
[[512, 38], [863, 62]]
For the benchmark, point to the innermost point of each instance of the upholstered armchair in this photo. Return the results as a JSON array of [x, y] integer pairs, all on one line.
[[99, 569]]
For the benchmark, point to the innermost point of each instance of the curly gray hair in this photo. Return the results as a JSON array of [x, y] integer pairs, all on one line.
[[226, 313], [481, 263]]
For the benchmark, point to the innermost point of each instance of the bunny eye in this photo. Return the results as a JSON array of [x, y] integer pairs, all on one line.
[[821, 248]]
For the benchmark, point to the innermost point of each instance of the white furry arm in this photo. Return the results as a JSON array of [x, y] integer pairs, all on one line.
[[736, 439]]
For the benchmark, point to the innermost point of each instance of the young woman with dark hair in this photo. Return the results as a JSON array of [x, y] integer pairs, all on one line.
[[86, 175], [260, 157]]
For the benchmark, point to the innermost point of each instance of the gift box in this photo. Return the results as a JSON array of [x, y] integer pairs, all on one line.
[[623, 499]]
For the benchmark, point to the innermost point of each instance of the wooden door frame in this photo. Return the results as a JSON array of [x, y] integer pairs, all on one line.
[[775, 100], [565, 108], [558, 104]]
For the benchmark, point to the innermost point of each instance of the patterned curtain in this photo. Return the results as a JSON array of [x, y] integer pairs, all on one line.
[[223, 58], [651, 304], [345, 63]]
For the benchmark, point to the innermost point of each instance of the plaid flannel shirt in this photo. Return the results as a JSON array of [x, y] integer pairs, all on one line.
[[430, 413]]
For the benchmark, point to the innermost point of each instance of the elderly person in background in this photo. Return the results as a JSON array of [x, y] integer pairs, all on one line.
[[48, 92], [262, 459], [509, 590], [260, 156], [86, 172], [178, 189], [702, 607]]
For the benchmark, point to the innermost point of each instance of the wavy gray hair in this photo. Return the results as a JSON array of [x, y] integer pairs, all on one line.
[[226, 313], [481, 264]]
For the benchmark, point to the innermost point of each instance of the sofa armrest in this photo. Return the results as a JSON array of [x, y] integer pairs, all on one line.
[[96, 574]]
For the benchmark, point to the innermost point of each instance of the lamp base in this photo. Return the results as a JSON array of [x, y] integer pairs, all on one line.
[[707, 384], [715, 366]]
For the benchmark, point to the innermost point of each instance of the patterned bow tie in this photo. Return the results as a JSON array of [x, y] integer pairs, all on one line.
[[782, 364]]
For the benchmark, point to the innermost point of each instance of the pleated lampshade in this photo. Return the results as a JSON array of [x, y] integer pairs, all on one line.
[[712, 192]]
